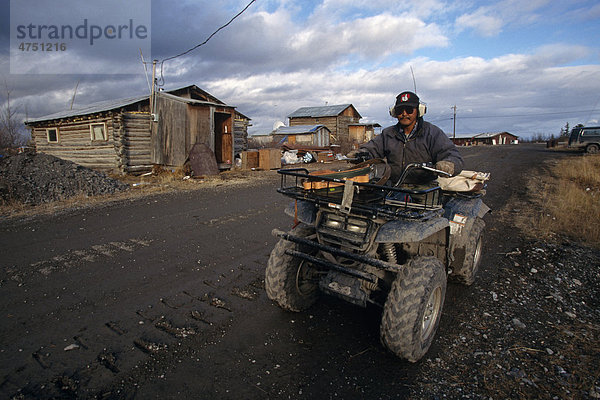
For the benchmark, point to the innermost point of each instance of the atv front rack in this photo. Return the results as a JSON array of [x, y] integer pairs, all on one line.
[[363, 198]]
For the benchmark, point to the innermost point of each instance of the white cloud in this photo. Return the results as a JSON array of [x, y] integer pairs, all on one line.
[[514, 84], [370, 37], [485, 25], [284, 54]]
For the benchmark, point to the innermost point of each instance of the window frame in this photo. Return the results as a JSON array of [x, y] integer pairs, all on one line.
[[104, 132], [56, 133]]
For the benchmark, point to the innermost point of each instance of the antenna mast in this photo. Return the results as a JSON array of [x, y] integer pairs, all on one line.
[[414, 80]]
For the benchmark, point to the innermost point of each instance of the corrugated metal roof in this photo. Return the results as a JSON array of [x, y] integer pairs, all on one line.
[[491, 134], [462, 136], [479, 135], [323, 111], [90, 109], [115, 104], [298, 129]]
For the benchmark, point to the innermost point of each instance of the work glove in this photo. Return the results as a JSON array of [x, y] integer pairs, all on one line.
[[445, 166], [358, 155]]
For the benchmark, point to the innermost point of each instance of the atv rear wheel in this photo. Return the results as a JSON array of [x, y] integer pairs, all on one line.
[[465, 267], [290, 281], [412, 311]]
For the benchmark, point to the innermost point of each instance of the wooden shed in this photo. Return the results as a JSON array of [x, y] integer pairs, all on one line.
[[336, 118], [308, 135], [361, 133], [123, 136]]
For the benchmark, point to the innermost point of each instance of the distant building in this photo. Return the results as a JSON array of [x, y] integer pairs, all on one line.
[[361, 133], [309, 135], [484, 139], [336, 118]]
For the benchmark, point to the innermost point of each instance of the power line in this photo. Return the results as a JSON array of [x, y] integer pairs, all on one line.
[[212, 34], [529, 115], [516, 115]]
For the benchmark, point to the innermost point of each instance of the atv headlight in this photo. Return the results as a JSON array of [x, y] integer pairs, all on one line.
[[339, 222], [357, 226], [334, 222]]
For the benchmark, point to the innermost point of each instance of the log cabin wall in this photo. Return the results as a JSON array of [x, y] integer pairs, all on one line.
[[74, 141], [134, 138], [240, 132]]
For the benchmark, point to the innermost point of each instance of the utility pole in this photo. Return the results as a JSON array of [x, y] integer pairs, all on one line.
[[454, 120], [152, 92]]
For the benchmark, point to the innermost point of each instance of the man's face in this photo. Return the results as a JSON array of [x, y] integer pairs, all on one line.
[[407, 115]]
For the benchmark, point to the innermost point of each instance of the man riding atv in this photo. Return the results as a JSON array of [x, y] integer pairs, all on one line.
[[370, 240], [411, 140]]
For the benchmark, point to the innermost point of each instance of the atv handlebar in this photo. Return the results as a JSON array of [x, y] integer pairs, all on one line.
[[425, 166]]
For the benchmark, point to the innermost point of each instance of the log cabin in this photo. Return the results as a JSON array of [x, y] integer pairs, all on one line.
[[124, 136]]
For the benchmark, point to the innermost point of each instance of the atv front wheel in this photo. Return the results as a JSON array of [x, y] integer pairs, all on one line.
[[412, 311], [290, 281], [466, 265]]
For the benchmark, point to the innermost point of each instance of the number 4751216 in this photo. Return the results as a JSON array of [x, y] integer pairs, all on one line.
[[26, 46]]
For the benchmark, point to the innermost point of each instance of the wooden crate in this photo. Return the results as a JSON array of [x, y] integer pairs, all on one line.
[[324, 156], [249, 159], [269, 159]]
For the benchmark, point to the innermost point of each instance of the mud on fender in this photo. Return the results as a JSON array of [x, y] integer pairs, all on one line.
[[406, 231]]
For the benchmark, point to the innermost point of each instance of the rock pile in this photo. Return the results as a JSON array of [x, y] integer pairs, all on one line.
[[34, 179]]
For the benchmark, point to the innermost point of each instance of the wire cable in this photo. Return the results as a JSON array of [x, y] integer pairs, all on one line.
[[212, 34], [161, 81]]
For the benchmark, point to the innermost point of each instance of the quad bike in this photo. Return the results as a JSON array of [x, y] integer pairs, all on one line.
[[363, 240]]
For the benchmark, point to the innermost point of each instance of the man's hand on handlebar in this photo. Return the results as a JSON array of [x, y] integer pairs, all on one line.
[[358, 156], [445, 166]]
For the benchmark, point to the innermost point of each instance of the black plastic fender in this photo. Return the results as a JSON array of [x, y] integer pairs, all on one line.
[[305, 211], [408, 231], [461, 214], [466, 207]]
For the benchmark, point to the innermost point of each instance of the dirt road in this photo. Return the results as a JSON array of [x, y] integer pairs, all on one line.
[[163, 298]]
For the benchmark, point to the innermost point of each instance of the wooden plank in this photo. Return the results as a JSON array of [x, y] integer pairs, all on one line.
[[269, 159], [249, 159]]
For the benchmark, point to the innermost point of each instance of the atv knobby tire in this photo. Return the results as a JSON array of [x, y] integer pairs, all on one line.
[[412, 311], [289, 280], [466, 264]]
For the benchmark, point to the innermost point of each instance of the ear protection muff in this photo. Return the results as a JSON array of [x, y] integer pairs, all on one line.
[[422, 110]]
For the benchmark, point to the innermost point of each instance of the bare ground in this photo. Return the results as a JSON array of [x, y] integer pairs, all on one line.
[[528, 328]]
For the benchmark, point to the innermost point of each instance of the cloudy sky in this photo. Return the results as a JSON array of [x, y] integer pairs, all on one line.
[[526, 67]]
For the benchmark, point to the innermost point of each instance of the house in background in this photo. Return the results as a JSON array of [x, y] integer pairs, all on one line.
[[361, 133], [496, 138], [484, 139], [463, 139], [122, 135], [303, 135], [336, 118]]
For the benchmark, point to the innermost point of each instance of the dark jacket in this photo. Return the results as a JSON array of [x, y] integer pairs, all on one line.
[[428, 144]]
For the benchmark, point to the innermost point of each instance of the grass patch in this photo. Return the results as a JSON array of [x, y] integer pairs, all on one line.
[[571, 200]]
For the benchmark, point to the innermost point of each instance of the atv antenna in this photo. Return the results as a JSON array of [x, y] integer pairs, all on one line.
[[414, 80]]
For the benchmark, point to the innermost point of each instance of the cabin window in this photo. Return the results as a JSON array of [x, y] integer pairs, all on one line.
[[98, 131], [52, 135]]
